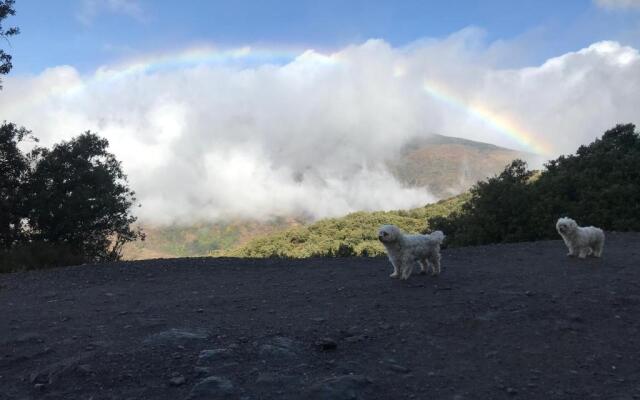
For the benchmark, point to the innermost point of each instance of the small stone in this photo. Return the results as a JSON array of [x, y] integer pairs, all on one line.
[[177, 380], [345, 387], [214, 355], [353, 339], [85, 368], [326, 344], [39, 377], [399, 368], [279, 346], [174, 337], [212, 387], [512, 391], [576, 318], [267, 379], [201, 371]]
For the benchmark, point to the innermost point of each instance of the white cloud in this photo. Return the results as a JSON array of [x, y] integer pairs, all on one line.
[[91, 9], [618, 4], [221, 139]]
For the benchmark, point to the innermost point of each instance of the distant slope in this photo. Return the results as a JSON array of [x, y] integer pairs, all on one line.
[[448, 166], [354, 234], [200, 239]]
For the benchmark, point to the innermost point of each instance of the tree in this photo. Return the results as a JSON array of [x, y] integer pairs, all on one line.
[[599, 185], [498, 210], [6, 10], [78, 196], [14, 168]]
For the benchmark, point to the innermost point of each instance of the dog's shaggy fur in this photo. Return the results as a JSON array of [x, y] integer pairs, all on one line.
[[405, 251], [581, 241]]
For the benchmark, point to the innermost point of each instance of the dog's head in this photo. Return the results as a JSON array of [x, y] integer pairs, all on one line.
[[566, 225], [388, 233]]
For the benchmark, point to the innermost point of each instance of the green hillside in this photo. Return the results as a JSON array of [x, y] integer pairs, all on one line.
[[201, 239], [354, 234]]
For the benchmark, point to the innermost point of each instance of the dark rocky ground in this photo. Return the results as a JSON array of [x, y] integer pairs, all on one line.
[[510, 321]]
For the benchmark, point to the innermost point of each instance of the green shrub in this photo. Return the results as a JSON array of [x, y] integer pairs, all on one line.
[[352, 235]]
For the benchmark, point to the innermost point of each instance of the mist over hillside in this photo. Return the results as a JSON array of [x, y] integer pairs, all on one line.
[[442, 165]]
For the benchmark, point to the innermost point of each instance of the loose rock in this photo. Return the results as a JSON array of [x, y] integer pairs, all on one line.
[[212, 387], [174, 337], [326, 344], [345, 387], [177, 380]]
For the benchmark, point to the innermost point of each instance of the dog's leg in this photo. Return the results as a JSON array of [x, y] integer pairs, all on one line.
[[598, 248], [424, 265], [407, 268], [406, 272], [598, 245], [434, 259], [395, 272], [572, 251], [583, 252]]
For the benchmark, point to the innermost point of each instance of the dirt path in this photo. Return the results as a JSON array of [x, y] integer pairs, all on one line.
[[509, 321]]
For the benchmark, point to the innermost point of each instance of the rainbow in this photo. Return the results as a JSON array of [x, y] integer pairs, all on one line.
[[497, 122], [200, 56], [194, 57]]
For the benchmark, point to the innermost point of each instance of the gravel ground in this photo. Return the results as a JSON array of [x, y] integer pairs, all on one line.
[[506, 321]]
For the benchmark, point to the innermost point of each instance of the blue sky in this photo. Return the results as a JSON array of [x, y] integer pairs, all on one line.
[[90, 33]]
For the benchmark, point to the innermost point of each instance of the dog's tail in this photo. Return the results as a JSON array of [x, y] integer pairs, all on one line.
[[438, 236]]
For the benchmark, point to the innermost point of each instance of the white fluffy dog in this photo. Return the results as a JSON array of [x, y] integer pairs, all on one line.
[[581, 241], [405, 251]]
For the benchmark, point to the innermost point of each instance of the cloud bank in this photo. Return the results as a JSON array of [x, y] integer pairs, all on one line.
[[212, 135]]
